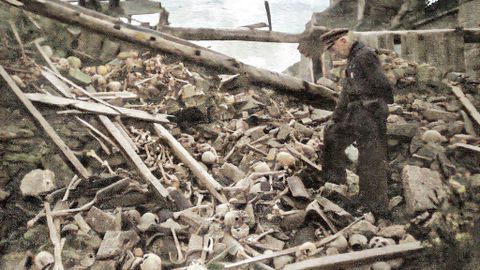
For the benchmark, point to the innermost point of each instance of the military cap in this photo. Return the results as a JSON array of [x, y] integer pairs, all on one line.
[[329, 38]]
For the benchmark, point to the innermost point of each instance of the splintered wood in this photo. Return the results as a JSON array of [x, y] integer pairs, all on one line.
[[133, 156]]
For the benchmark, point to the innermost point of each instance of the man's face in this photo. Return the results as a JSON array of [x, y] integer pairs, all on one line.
[[340, 48]]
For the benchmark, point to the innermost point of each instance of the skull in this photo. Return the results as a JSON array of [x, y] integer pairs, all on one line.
[[306, 250], [151, 262], [378, 242], [235, 218]]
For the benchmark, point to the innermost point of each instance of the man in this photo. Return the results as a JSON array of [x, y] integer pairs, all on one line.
[[361, 116]]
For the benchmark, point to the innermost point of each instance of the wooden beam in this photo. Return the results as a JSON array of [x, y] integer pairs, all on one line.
[[230, 34], [294, 249], [79, 168], [204, 178], [45, 56], [59, 84], [132, 156], [466, 103], [96, 22], [97, 107], [352, 259]]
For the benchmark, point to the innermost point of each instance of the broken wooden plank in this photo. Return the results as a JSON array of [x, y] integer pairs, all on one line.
[[294, 249], [45, 56], [466, 103], [59, 85], [97, 107], [202, 175], [17, 37], [467, 146], [125, 95], [96, 131], [133, 157], [79, 168], [304, 158], [115, 28], [352, 259]]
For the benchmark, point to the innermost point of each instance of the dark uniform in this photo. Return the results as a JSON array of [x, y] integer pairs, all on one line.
[[361, 116]]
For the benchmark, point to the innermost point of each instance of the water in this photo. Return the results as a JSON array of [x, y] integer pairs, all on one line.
[[287, 16]]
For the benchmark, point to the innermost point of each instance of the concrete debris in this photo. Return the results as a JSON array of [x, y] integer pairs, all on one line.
[[423, 189], [364, 228], [116, 242], [37, 182]]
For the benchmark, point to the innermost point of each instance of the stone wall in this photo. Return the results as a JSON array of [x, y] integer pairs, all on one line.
[[469, 17]]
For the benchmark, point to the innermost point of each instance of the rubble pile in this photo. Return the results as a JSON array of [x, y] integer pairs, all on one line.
[[261, 148]]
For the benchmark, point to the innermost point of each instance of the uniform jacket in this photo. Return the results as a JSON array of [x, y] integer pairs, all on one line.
[[365, 80]]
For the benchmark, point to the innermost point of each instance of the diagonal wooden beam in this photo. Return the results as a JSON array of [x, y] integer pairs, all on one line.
[[202, 175], [132, 156], [114, 28]]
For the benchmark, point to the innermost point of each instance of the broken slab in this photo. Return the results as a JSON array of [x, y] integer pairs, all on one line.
[[436, 114], [36, 182], [232, 172], [297, 188], [100, 221], [423, 189], [114, 243], [406, 131]]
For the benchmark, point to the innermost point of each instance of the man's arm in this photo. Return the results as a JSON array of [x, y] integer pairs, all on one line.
[[341, 107]]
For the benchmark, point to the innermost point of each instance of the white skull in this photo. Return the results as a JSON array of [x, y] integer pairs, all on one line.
[[151, 262]]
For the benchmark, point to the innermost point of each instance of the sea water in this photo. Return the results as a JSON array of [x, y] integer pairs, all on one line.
[[288, 16]]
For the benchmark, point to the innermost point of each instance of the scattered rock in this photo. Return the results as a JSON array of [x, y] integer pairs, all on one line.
[[283, 133], [114, 243], [423, 189], [363, 227], [100, 221], [381, 266], [285, 159], [232, 172], [406, 131], [433, 136], [104, 265], [74, 62], [37, 182], [3, 195], [436, 114], [394, 231], [394, 202], [261, 167]]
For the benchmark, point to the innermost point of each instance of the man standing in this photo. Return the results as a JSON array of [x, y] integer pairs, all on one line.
[[361, 116]]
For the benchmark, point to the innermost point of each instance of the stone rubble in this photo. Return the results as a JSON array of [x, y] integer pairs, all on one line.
[[243, 135]]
